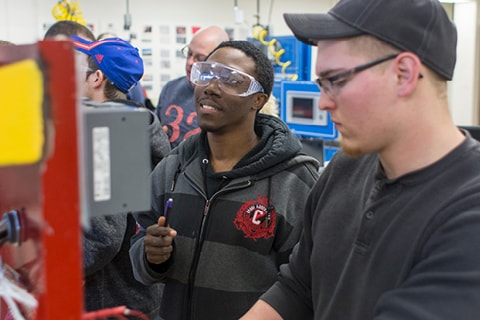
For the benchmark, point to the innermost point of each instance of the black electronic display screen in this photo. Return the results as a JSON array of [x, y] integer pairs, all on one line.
[[302, 108]]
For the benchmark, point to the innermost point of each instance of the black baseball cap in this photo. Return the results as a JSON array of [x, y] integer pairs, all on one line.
[[419, 26]]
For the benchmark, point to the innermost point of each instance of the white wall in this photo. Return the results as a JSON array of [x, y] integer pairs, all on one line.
[[18, 20], [22, 21], [463, 90]]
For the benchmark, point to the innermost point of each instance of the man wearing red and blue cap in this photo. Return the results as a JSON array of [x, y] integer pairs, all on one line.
[[392, 226], [112, 67], [112, 62]]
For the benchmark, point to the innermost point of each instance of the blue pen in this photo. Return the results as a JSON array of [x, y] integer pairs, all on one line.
[[166, 211]]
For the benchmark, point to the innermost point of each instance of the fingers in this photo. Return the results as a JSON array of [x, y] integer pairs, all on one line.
[[159, 249], [158, 242], [161, 221]]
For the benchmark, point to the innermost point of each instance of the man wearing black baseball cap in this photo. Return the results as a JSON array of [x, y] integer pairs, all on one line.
[[392, 226]]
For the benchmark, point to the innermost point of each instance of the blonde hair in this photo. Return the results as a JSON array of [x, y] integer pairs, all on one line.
[[6, 43], [270, 107]]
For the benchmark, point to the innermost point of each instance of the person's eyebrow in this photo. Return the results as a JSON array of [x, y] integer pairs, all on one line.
[[329, 72]]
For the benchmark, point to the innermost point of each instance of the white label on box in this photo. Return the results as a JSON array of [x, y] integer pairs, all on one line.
[[102, 182]]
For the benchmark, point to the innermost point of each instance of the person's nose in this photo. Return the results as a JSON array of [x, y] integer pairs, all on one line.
[[190, 61], [325, 102], [213, 86]]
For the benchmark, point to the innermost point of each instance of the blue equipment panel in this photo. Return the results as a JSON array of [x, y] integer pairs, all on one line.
[[299, 110], [291, 59]]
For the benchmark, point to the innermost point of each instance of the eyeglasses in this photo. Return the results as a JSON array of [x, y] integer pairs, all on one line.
[[230, 80], [88, 72], [187, 53], [332, 85]]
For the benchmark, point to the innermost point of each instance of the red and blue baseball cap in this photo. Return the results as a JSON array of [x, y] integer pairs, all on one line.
[[116, 58]]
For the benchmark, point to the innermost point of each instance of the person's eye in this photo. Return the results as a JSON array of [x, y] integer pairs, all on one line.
[[338, 82], [205, 76], [232, 80]]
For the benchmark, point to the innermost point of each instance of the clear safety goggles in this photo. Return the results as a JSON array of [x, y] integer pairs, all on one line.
[[230, 80]]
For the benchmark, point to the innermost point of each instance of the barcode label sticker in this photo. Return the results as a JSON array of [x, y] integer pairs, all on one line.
[[102, 182]]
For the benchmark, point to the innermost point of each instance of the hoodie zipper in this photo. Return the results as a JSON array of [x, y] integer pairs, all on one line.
[[199, 242], [196, 258]]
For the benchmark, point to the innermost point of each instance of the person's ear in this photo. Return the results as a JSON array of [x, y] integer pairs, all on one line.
[[98, 78], [259, 100], [408, 69]]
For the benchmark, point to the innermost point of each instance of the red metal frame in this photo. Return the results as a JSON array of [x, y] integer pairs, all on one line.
[[50, 259], [60, 183]]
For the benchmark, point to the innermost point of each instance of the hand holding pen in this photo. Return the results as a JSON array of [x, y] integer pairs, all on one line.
[[159, 237]]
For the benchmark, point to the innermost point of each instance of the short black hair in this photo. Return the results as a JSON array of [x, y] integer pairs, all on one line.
[[69, 28], [263, 66]]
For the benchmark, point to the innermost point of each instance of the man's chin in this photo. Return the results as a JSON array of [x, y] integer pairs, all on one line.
[[351, 151]]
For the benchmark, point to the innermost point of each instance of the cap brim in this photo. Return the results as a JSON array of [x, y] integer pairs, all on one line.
[[309, 27]]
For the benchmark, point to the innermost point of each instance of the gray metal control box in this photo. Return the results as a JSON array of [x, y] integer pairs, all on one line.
[[115, 158]]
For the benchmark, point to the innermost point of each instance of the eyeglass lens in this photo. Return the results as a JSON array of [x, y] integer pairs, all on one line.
[[331, 85], [187, 53], [89, 71]]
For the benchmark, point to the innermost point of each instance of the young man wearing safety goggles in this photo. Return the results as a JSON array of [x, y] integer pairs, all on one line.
[[235, 217]]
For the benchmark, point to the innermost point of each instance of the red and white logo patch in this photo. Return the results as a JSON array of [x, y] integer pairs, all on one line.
[[255, 220]]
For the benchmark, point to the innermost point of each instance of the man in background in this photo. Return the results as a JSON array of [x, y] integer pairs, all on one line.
[[138, 92], [175, 108], [111, 68], [67, 28], [108, 274]]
